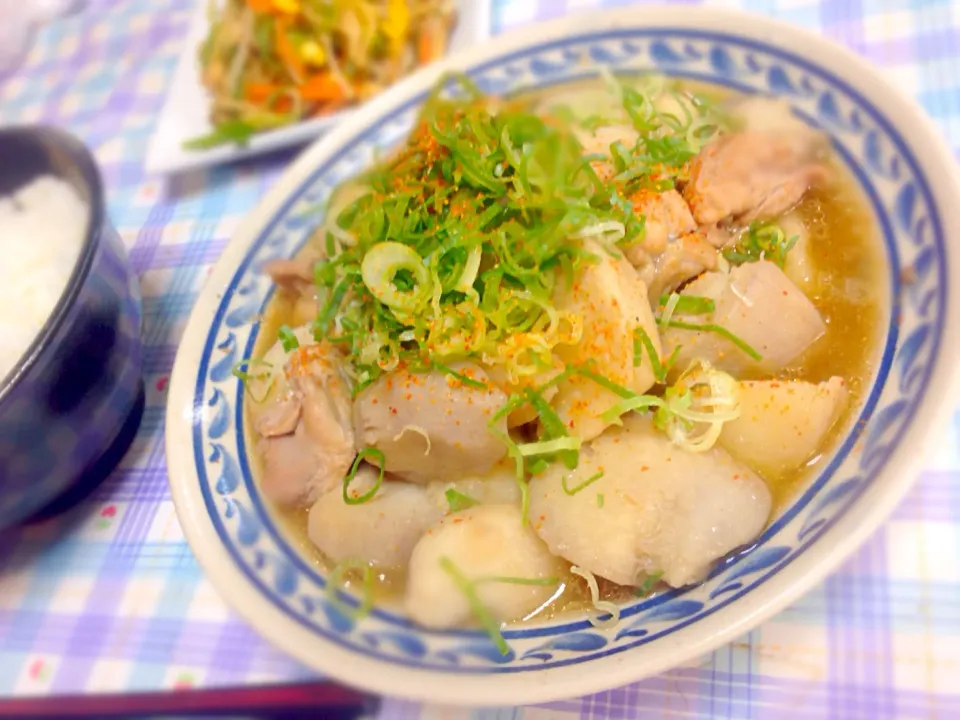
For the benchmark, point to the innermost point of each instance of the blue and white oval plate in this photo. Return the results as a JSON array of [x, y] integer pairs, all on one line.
[[908, 176]]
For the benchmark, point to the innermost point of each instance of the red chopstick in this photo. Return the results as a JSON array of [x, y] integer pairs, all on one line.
[[274, 700]]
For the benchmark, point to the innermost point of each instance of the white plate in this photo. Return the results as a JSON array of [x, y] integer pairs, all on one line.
[[186, 109]]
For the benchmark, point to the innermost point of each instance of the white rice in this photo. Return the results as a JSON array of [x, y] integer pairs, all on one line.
[[42, 227]]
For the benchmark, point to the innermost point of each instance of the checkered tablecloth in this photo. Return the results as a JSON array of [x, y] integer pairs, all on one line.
[[110, 598]]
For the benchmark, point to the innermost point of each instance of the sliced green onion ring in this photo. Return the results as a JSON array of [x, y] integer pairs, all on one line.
[[367, 496], [379, 268], [694, 421]]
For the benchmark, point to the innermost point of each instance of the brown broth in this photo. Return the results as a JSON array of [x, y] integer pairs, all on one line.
[[845, 249], [851, 296]]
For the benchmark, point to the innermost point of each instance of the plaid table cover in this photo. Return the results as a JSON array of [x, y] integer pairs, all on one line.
[[110, 597]]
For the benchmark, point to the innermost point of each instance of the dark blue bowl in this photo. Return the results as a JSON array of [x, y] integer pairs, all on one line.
[[70, 407]]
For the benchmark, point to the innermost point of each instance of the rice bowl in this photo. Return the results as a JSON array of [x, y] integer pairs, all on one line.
[[42, 227], [71, 383]]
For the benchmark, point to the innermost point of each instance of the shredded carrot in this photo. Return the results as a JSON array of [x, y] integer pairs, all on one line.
[[329, 107], [258, 92], [322, 86], [279, 42], [426, 47], [261, 6], [287, 52]]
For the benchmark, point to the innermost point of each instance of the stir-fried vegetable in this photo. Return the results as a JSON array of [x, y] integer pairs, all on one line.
[[268, 63]]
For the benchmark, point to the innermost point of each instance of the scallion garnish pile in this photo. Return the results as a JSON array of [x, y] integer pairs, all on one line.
[[453, 248]]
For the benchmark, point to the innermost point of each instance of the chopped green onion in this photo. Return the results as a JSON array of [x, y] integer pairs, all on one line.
[[513, 403], [553, 382], [240, 371], [324, 273], [480, 611], [287, 339], [689, 304], [684, 410], [762, 241], [604, 382], [548, 447], [637, 402], [458, 240], [642, 341], [553, 426], [459, 501], [537, 582], [600, 500], [551, 422], [524, 501], [470, 269], [468, 381], [669, 307], [530, 457], [396, 276], [381, 462], [329, 311], [577, 488], [722, 331], [537, 466], [336, 581], [648, 584]]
